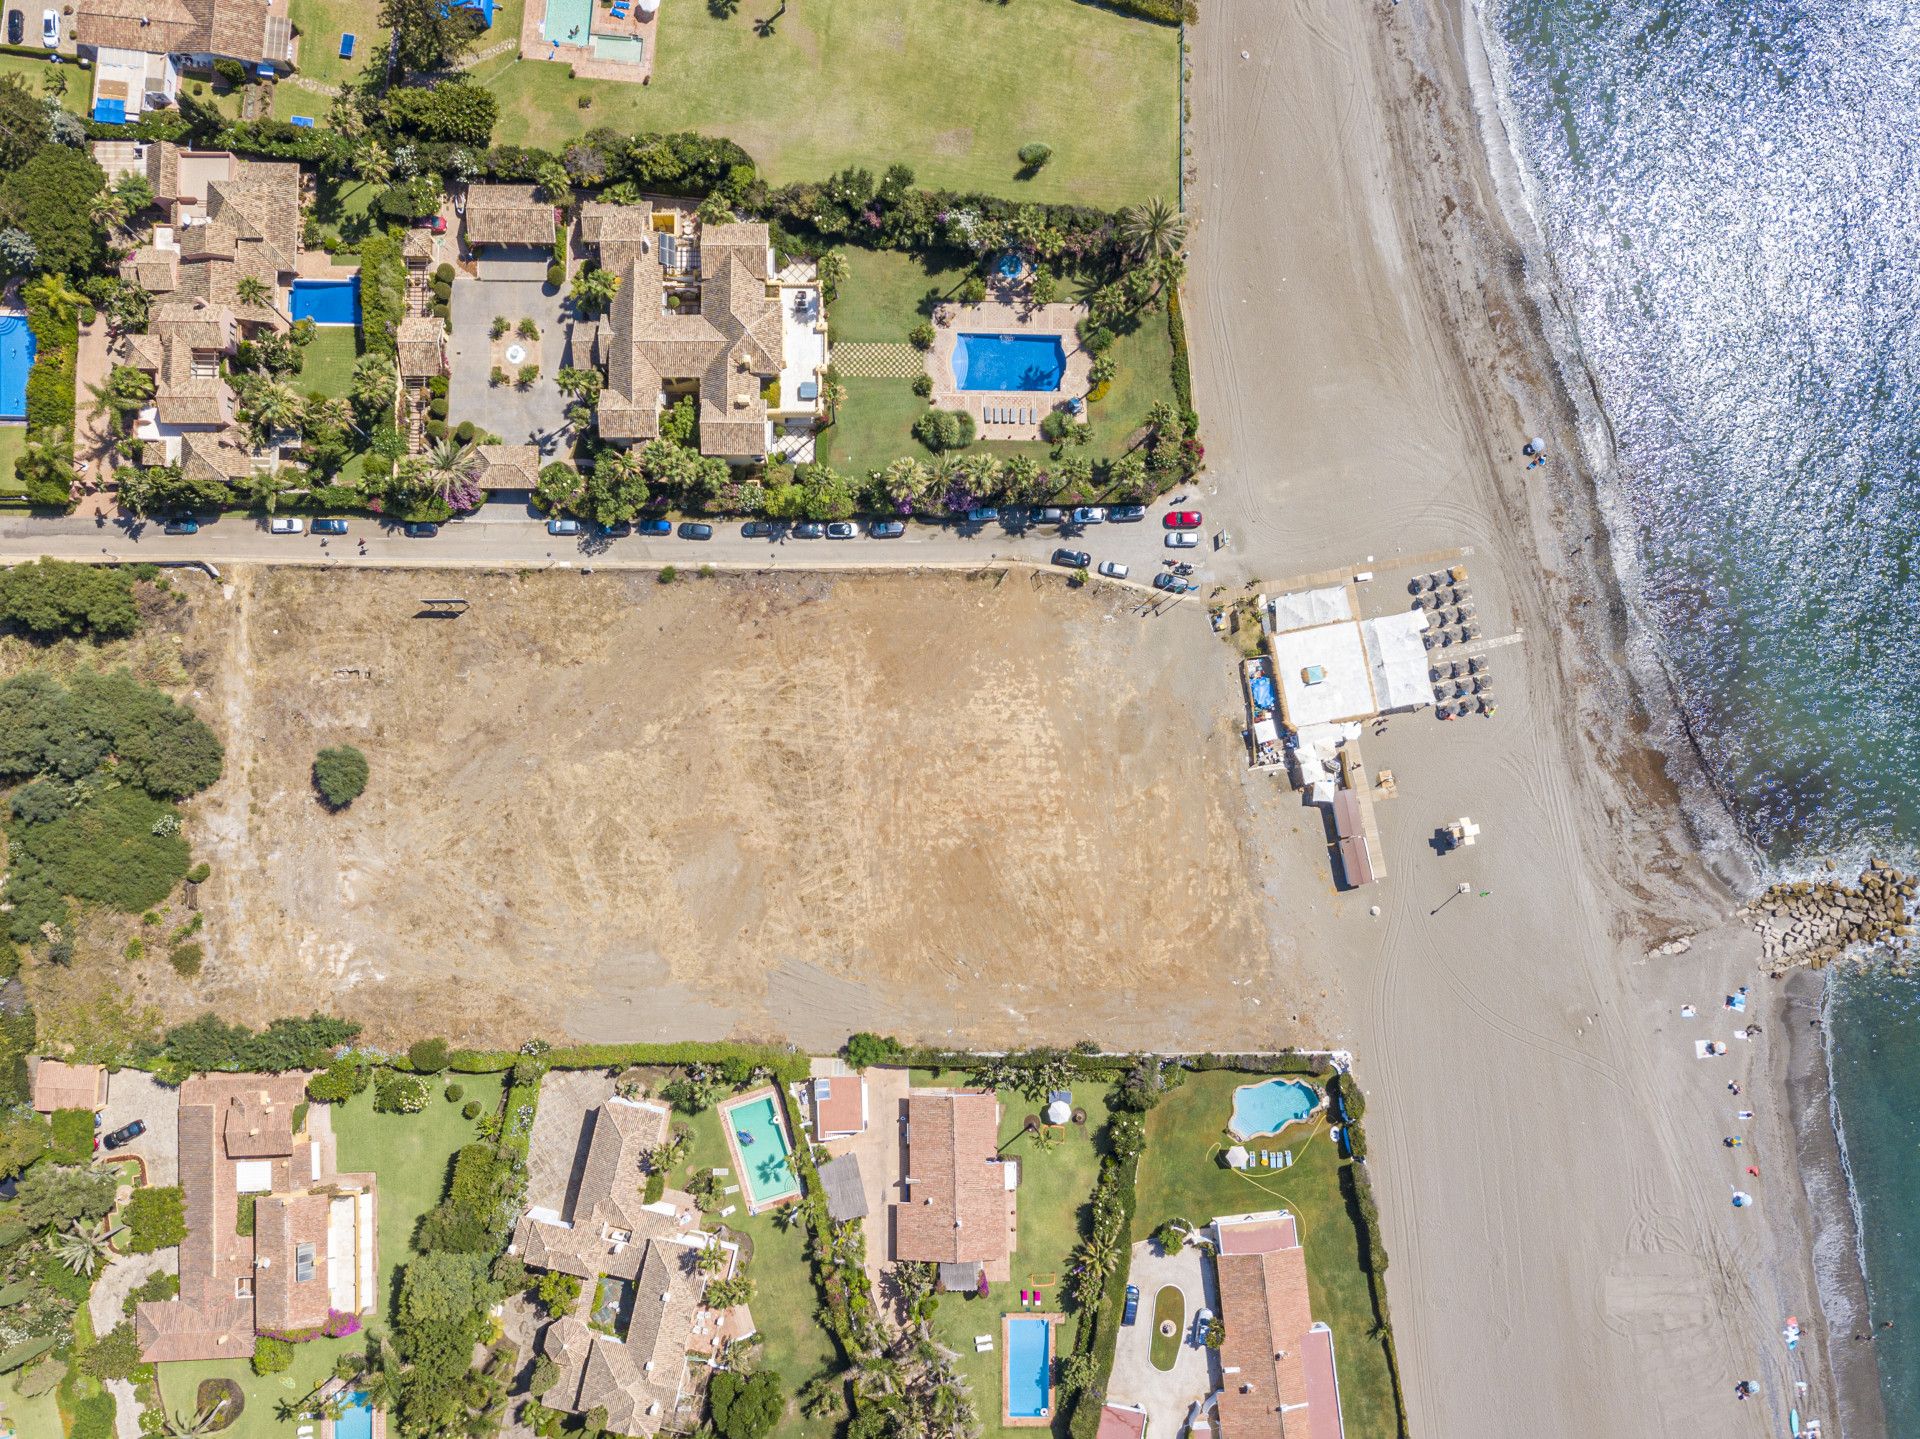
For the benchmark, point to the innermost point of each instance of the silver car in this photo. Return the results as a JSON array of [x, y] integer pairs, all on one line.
[[1113, 569]]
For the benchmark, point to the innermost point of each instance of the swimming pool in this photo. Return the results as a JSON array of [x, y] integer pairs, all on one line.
[[627, 49], [1270, 1106], [1008, 362], [356, 1418], [326, 302], [567, 21], [17, 350], [761, 1141], [1029, 1366]]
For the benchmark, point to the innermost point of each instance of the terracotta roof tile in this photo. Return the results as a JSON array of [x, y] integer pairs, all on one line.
[[59, 1085], [958, 1206]]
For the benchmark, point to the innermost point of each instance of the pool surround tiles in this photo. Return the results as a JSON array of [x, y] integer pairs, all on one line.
[[1044, 1419], [743, 1167], [1007, 414]]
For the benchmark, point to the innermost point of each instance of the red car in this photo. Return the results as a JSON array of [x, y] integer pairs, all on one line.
[[1182, 520], [434, 224]]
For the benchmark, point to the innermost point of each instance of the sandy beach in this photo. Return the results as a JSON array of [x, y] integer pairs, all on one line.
[[1550, 1155]]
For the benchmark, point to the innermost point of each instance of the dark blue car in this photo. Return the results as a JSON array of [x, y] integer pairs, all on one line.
[[1132, 1311], [656, 527], [329, 527]]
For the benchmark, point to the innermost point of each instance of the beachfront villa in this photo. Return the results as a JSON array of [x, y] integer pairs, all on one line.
[[1008, 361], [958, 1205], [139, 47], [701, 311], [307, 1260], [1277, 1376], [625, 1345]]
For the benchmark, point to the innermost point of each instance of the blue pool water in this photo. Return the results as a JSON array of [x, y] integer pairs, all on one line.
[[356, 1420], [566, 22], [1029, 1361], [1268, 1107], [16, 358], [326, 302], [763, 1151], [627, 49], [1008, 362]]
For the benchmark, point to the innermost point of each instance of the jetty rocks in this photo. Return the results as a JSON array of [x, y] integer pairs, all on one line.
[[1814, 923]]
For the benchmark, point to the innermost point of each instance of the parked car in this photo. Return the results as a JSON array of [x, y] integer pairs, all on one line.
[[1202, 1322], [50, 29], [126, 1134], [695, 530], [1090, 515], [614, 532], [433, 224], [1051, 515], [1127, 514], [1072, 559], [842, 530], [420, 530], [182, 527], [1181, 519], [886, 529], [982, 515], [1183, 540], [1113, 569], [329, 527], [563, 527], [1173, 584], [759, 530], [1132, 1311], [16, 26], [809, 530], [286, 525], [656, 527]]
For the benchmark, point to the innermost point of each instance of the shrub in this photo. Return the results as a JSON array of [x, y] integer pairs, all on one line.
[[1182, 369], [499, 327], [72, 1136], [155, 1219], [865, 1049], [198, 874], [340, 774], [923, 384], [114, 1355], [271, 1356], [944, 430], [444, 275], [556, 275], [1055, 426], [668, 574], [428, 1056], [464, 432], [52, 598], [746, 1406], [973, 291], [921, 335], [231, 71], [558, 1292], [496, 376], [1094, 338], [454, 1093], [1036, 154], [437, 407], [243, 1216], [339, 1081], [470, 1110], [397, 1093], [526, 329], [223, 1394], [528, 374], [185, 959]]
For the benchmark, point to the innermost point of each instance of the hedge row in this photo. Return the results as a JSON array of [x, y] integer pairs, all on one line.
[[1093, 1064], [1161, 12], [786, 1064], [1098, 1332], [1182, 368], [50, 383]]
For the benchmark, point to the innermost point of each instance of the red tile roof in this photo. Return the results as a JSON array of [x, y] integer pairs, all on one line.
[[1119, 1422], [59, 1085], [958, 1207], [843, 1110], [1270, 1347]]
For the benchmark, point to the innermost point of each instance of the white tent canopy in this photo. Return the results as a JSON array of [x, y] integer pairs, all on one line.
[[1398, 658], [1304, 609]]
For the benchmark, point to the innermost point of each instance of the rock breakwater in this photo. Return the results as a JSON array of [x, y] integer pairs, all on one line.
[[1812, 923]]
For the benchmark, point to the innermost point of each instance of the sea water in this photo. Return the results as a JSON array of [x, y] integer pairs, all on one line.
[[1729, 199]]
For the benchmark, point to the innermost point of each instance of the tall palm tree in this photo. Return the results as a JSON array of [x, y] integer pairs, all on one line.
[[712, 1259], [121, 396], [256, 294], [84, 1247], [450, 470], [1152, 230], [273, 406], [372, 163]]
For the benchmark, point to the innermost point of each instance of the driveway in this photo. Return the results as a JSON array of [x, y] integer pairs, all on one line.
[[517, 416], [1166, 1394], [134, 1094]]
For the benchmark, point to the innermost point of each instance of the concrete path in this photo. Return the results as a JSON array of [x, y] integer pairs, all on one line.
[[1166, 1394]]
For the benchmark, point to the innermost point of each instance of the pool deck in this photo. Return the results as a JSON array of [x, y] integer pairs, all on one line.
[[534, 44], [765, 1091], [1006, 311], [1039, 1421]]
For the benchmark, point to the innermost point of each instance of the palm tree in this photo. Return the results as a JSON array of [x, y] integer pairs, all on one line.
[[373, 164], [256, 294], [712, 1259], [450, 470], [831, 270], [107, 210], [125, 391], [84, 1247], [273, 406], [1152, 230]]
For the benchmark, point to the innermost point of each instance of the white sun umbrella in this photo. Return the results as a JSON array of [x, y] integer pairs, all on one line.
[[1237, 1157], [1059, 1112]]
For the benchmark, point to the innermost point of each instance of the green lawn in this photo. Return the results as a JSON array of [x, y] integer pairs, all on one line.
[[1055, 1186], [887, 294], [33, 72], [1169, 1307], [1183, 1175], [951, 87], [38, 1415], [312, 1366], [13, 441], [794, 1345], [320, 24], [326, 364]]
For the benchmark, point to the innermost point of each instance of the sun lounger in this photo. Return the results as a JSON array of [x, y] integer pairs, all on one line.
[[731, 1189], [728, 1210]]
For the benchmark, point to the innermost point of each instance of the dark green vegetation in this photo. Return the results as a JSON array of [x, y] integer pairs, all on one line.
[[49, 599], [340, 774], [155, 1219], [98, 762]]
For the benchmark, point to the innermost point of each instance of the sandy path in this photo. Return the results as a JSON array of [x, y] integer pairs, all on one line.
[[1565, 1258]]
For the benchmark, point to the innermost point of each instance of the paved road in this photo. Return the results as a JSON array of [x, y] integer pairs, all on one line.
[[504, 536]]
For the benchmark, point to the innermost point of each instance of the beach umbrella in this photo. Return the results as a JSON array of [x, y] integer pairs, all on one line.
[[1059, 1112], [1237, 1157]]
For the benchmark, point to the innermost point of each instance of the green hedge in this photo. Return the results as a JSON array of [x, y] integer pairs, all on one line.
[[786, 1064], [73, 1136], [383, 293], [1161, 12], [1098, 1332], [1182, 367], [50, 383]]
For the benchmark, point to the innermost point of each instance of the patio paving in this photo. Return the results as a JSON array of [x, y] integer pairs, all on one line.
[[1006, 314], [534, 415], [1166, 1394], [134, 1094]]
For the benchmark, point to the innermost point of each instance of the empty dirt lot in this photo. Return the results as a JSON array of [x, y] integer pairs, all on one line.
[[601, 807]]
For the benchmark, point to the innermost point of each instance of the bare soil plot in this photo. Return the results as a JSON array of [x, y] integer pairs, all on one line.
[[985, 807]]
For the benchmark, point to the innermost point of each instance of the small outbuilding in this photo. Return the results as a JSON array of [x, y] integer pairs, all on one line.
[[59, 1085], [845, 1189]]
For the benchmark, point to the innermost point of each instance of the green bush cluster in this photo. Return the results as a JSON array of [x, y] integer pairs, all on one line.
[[1182, 365], [340, 775], [471, 1219], [271, 1356], [51, 400], [941, 430], [397, 1093], [383, 293], [52, 598], [782, 1062], [339, 1081], [155, 1218], [72, 1136], [208, 1044]]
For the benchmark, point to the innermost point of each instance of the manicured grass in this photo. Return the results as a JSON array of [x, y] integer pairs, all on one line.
[[874, 427], [953, 88], [326, 364], [1052, 1202], [312, 1366], [321, 24], [33, 71], [411, 1154], [38, 1415], [1169, 1307], [794, 1345], [887, 293], [1183, 1175], [13, 442]]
